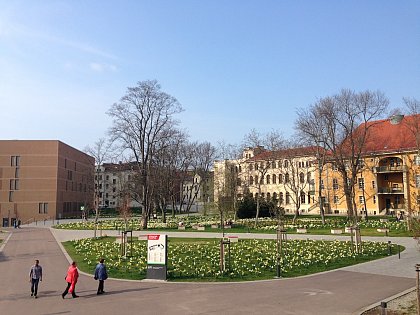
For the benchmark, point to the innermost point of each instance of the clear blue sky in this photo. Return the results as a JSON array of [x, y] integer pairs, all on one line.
[[233, 65]]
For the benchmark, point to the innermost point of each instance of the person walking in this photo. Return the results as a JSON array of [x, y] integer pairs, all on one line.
[[101, 275], [71, 278], [35, 275]]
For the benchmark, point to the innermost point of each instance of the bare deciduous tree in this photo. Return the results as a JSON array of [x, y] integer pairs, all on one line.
[[102, 151], [271, 142], [346, 119], [140, 121]]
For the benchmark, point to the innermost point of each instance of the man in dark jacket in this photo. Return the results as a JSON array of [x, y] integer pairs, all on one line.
[[101, 275]]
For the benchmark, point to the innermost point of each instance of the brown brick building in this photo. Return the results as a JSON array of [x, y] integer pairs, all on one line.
[[43, 179]]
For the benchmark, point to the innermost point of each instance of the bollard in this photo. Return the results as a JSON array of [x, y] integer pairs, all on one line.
[[389, 248], [417, 287], [383, 308]]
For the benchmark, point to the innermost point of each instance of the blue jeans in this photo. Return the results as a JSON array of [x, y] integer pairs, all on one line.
[[34, 286]]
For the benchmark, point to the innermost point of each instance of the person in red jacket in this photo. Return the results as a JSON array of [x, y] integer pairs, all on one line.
[[71, 278]]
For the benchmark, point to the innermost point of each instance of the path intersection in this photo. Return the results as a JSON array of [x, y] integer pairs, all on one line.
[[344, 291]]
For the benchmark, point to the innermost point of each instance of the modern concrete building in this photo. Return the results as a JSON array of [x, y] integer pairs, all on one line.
[[43, 179]]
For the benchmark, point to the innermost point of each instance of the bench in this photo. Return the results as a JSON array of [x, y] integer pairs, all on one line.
[[301, 230]]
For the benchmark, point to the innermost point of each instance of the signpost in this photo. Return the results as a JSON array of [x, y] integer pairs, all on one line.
[[157, 256]]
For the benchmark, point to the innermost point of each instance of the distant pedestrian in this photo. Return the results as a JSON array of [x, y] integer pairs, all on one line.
[[35, 275], [101, 275], [71, 278], [19, 223]]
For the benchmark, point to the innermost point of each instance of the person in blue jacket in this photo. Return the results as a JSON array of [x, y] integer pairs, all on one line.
[[101, 275]]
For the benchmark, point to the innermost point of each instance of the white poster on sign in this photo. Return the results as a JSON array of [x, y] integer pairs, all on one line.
[[156, 249]]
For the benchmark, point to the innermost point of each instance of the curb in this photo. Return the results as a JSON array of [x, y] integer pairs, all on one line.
[[5, 242], [387, 300]]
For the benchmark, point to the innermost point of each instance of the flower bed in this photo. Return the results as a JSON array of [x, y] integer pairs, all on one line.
[[198, 259]]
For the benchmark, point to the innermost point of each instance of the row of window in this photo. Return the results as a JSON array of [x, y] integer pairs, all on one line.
[[272, 179], [285, 198], [274, 164]]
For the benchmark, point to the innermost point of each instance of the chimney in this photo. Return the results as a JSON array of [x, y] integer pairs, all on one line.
[[396, 119]]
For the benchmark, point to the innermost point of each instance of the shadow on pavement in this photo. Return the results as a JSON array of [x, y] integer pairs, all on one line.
[[89, 296]]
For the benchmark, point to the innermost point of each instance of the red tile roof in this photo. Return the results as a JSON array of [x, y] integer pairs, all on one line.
[[383, 136], [287, 153]]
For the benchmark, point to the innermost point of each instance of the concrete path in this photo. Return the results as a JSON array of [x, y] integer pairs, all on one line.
[[338, 292]]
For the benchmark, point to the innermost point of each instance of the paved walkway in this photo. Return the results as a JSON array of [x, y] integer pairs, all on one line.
[[344, 291]]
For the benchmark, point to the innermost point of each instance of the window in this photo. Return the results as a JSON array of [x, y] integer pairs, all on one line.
[[251, 180], [279, 164], [267, 179], [14, 160], [374, 199], [361, 182], [361, 200], [386, 177], [308, 177], [335, 199], [417, 160], [17, 172], [268, 196], [287, 198], [70, 175], [373, 184], [280, 178], [322, 184], [256, 166], [274, 179], [114, 181], [286, 163], [286, 178], [335, 183], [107, 177], [273, 164], [302, 178], [281, 198], [274, 196], [256, 179], [418, 199], [262, 180], [250, 167], [302, 197], [11, 196], [43, 207]]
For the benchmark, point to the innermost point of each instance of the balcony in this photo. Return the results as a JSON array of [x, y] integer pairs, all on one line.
[[390, 190], [390, 169]]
